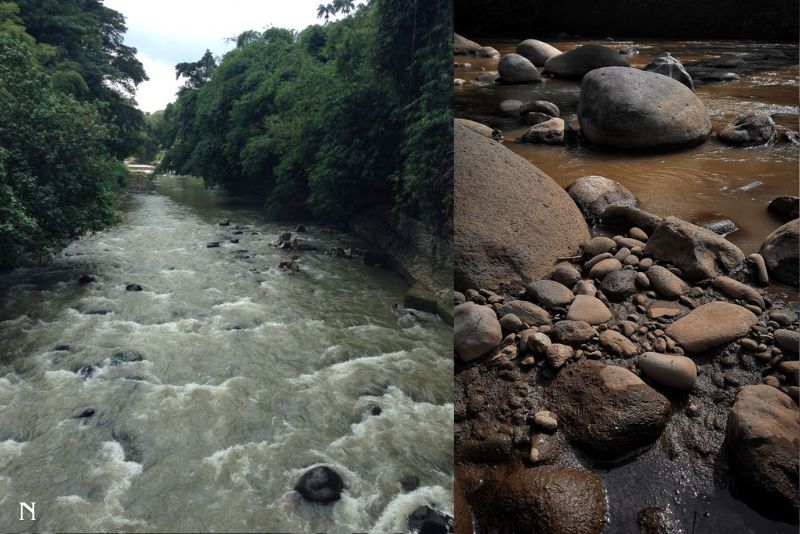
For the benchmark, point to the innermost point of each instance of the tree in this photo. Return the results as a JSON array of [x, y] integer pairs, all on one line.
[[198, 72]]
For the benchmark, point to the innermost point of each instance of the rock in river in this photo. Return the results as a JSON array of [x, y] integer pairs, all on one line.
[[512, 222], [482, 129], [589, 309], [763, 438], [631, 109], [320, 484], [752, 128], [607, 410], [576, 63], [785, 207], [678, 372], [593, 194], [126, 356], [548, 132], [780, 252], [515, 69], [426, 520], [476, 330], [711, 325], [537, 52], [462, 45], [671, 67]]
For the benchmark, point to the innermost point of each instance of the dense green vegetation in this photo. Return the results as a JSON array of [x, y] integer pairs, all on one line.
[[335, 120], [66, 116]]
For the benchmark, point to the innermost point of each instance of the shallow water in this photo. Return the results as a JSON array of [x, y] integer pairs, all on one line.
[[709, 181], [250, 375]]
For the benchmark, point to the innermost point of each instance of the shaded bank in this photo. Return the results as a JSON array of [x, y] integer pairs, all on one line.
[[629, 18]]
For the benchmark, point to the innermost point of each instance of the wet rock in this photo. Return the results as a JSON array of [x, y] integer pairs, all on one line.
[[462, 45], [734, 288], [626, 216], [550, 132], [509, 108], [618, 344], [763, 438], [513, 221], [788, 340], [566, 274], [628, 51], [515, 69], [711, 325], [783, 317], [589, 309], [126, 356], [752, 128], [594, 194], [86, 372], [671, 67], [557, 354], [599, 245], [720, 227], [528, 312], [572, 333], [761, 267], [476, 331], [665, 282], [607, 410], [533, 118], [300, 228], [321, 485], [619, 285], [409, 483], [426, 520], [698, 252], [537, 52], [226, 222], [481, 129], [212, 244], [549, 293], [62, 348], [631, 109], [728, 61], [84, 414], [133, 287], [540, 106], [780, 252], [487, 52], [678, 372], [785, 208], [576, 63], [86, 279], [656, 520]]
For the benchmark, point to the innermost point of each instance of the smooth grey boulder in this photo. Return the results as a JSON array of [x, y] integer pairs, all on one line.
[[576, 63], [462, 45], [476, 330], [537, 52], [671, 67], [487, 52], [593, 194], [780, 253], [751, 128], [515, 69], [630, 109]]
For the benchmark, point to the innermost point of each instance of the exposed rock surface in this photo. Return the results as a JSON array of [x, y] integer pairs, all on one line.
[[514, 69], [589, 309], [549, 132], [711, 325], [462, 45], [576, 63], [670, 66], [672, 370], [549, 293], [780, 252], [785, 207], [528, 312], [537, 52], [482, 129], [320, 484], [476, 330], [593, 194], [752, 128]]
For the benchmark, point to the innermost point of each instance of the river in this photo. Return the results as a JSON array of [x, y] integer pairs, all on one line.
[[250, 374]]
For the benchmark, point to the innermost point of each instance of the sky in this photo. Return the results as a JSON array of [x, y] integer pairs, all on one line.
[[167, 32]]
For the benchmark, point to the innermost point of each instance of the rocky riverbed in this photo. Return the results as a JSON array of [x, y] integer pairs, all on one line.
[[617, 371]]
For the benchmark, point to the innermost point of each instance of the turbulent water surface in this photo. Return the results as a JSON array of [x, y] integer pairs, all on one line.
[[250, 375]]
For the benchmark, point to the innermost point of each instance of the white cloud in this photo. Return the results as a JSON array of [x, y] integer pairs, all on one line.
[[157, 92]]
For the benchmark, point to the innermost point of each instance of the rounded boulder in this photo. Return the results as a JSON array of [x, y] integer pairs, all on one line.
[[576, 63]]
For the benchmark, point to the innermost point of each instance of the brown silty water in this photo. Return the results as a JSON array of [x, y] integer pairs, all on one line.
[[710, 182]]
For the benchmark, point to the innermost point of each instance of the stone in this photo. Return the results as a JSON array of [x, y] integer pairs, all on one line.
[[566, 274], [487, 52], [535, 117], [604, 267], [126, 356], [409, 483], [618, 344], [462, 45], [481, 129], [734, 288], [654, 520], [752, 128], [665, 282], [791, 369], [540, 106], [607, 410], [511, 323], [780, 252], [637, 233], [549, 293], [785, 207], [557, 354], [589, 309], [677, 372], [516, 69], [761, 267], [86, 279], [537, 52], [509, 108], [320, 484], [426, 520], [573, 333], [585, 287], [671, 67], [545, 420], [576, 63], [597, 259], [642, 281], [212, 244], [698, 252], [133, 287], [476, 331], [513, 222], [728, 61], [599, 245], [538, 342], [711, 325], [594, 194], [763, 438], [550, 132], [788, 340], [528, 312], [626, 216], [631, 109], [619, 285]]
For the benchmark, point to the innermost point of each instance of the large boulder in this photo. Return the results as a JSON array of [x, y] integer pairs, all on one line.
[[780, 253], [699, 252], [671, 67], [711, 325], [631, 109], [763, 439], [320, 484], [785, 207], [512, 221], [513, 68], [482, 129], [607, 410], [426, 520], [462, 45], [576, 63], [536, 51], [476, 330], [487, 52], [593, 194], [752, 128]]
